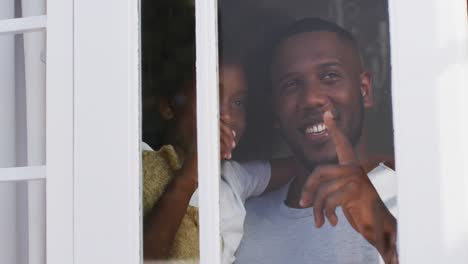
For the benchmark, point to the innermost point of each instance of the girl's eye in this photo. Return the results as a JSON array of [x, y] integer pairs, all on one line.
[[239, 103]]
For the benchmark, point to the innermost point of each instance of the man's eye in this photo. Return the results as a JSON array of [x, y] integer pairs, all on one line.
[[290, 86], [330, 76]]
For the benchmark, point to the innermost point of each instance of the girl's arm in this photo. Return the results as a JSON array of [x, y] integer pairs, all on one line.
[[282, 171], [162, 222]]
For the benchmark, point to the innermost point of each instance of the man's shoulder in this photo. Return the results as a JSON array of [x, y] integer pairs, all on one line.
[[380, 158], [384, 179]]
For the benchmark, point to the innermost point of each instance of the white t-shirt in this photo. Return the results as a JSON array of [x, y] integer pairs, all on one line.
[[238, 182], [384, 180], [275, 233]]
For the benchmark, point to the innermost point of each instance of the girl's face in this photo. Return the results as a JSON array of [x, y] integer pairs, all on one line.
[[180, 109], [233, 98]]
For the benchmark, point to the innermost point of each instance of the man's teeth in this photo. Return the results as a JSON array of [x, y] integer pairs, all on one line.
[[319, 128]]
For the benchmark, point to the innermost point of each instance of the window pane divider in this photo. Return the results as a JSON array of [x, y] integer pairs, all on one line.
[[60, 231], [15, 174], [208, 130], [21, 25]]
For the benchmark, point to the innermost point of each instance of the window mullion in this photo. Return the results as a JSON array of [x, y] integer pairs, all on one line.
[[22, 173], [21, 25], [208, 130], [59, 134]]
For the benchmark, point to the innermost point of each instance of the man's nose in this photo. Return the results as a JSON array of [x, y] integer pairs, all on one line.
[[314, 96]]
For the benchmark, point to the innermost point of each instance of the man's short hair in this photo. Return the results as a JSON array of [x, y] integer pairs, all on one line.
[[309, 24], [313, 24]]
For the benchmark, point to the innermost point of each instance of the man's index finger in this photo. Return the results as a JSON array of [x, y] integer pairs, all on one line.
[[344, 149]]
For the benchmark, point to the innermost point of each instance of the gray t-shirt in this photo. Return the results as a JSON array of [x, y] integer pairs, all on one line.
[[275, 233]]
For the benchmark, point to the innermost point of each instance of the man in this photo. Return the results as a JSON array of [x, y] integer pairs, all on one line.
[[319, 93]]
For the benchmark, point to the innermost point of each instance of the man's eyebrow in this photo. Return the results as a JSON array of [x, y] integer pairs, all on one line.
[[329, 64], [321, 65]]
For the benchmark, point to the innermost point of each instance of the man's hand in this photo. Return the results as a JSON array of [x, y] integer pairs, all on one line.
[[347, 185]]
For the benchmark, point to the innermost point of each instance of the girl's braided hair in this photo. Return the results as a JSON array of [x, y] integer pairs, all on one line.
[[168, 57], [168, 43]]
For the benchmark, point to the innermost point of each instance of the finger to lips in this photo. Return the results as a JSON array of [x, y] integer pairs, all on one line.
[[344, 149]]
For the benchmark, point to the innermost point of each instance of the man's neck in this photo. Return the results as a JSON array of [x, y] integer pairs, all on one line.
[[294, 192]]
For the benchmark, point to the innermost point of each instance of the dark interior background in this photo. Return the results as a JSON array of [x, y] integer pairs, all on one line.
[[246, 23]]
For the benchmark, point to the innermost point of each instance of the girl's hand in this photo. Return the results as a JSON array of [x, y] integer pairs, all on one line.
[[228, 142], [187, 179]]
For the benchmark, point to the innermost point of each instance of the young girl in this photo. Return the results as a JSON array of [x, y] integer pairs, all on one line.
[[171, 218]]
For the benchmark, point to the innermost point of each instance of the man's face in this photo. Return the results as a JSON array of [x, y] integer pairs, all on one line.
[[314, 72]]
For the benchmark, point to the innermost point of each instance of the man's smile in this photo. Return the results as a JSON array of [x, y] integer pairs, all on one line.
[[315, 133]]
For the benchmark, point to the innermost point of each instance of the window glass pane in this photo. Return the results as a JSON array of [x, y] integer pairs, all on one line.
[[170, 197], [305, 98], [27, 8], [22, 225], [23, 144], [23, 99]]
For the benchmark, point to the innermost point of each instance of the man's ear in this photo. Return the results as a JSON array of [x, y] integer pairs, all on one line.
[[165, 109], [366, 90]]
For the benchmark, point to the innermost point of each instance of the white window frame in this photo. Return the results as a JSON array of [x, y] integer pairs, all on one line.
[[60, 130], [107, 194], [429, 46], [93, 167], [208, 129]]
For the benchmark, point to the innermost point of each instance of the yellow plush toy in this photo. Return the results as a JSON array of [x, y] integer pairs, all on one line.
[[159, 168]]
